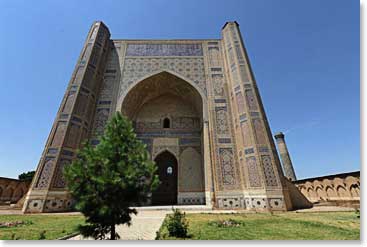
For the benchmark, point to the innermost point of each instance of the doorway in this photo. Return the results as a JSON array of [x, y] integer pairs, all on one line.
[[166, 193]]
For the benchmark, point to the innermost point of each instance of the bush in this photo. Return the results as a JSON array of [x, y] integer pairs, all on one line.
[[42, 235], [177, 224], [157, 235]]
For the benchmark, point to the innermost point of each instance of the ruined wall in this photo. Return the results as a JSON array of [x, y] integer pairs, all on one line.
[[341, 188], [11, 190]]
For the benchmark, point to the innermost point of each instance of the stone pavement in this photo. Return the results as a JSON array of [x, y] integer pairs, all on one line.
[[317, 209], [144, 226]]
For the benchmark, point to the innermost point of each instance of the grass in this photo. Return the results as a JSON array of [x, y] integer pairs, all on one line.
[[40, 226], [260, 226], [279, 226]]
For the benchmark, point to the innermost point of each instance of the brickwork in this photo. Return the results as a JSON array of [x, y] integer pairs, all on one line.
[[259, 165], [71, 126], [12, 190], [339, 189], [284, 155], [206, 93]]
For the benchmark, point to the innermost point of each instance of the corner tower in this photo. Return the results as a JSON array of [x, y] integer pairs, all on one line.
[[71, 126], [262, 176]]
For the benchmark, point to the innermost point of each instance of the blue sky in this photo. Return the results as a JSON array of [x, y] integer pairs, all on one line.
[[305, 56]]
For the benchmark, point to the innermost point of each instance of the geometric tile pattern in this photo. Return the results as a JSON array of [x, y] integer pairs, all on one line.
[[137, 68], [222, 124], [253, 172], [46, 173], [228, 171], [59, 181], [270, 178]]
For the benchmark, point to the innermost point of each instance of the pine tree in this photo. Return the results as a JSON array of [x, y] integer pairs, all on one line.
[[27, 176], [109, 179]]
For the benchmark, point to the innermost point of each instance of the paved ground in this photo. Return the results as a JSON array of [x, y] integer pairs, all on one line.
[[19, 212], [325, 209], [144, 226], [193, 209]]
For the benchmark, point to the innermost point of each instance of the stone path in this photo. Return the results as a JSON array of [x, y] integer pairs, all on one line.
[[144, 226], [317, 209]]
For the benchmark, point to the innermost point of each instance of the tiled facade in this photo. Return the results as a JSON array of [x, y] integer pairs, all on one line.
[[219, 133]]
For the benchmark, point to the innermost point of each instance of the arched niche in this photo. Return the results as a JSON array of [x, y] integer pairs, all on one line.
[[8, 193], [342, 192], [191, 177], [168, 113], [312, 194], [354, 190], [321, 193], [18, 193], [162, 83], [331, 193]]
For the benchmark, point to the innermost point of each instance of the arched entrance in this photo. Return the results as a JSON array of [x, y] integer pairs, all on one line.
[[169, 116], [166, 193]]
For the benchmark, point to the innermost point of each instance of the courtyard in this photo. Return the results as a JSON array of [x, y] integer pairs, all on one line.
[[212, 225]]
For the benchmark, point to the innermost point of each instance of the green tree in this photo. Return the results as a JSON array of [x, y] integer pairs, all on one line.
[[109, 179], [26, 175]]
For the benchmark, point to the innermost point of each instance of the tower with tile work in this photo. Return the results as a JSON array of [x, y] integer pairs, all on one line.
[[196, 106]]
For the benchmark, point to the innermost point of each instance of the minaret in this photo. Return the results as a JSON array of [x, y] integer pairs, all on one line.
[[284, 155], [71, 127]]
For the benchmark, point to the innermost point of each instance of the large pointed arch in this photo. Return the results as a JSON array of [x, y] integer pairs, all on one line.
[[162, 77], [162, 95]]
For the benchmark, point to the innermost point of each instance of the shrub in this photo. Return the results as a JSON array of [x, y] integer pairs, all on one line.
[[157, 235], [177, 224], [42, 235]]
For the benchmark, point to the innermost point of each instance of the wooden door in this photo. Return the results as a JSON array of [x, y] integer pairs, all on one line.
[[166, 193]]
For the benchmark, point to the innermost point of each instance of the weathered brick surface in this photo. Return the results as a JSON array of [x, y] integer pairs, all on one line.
[[205, 89]]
